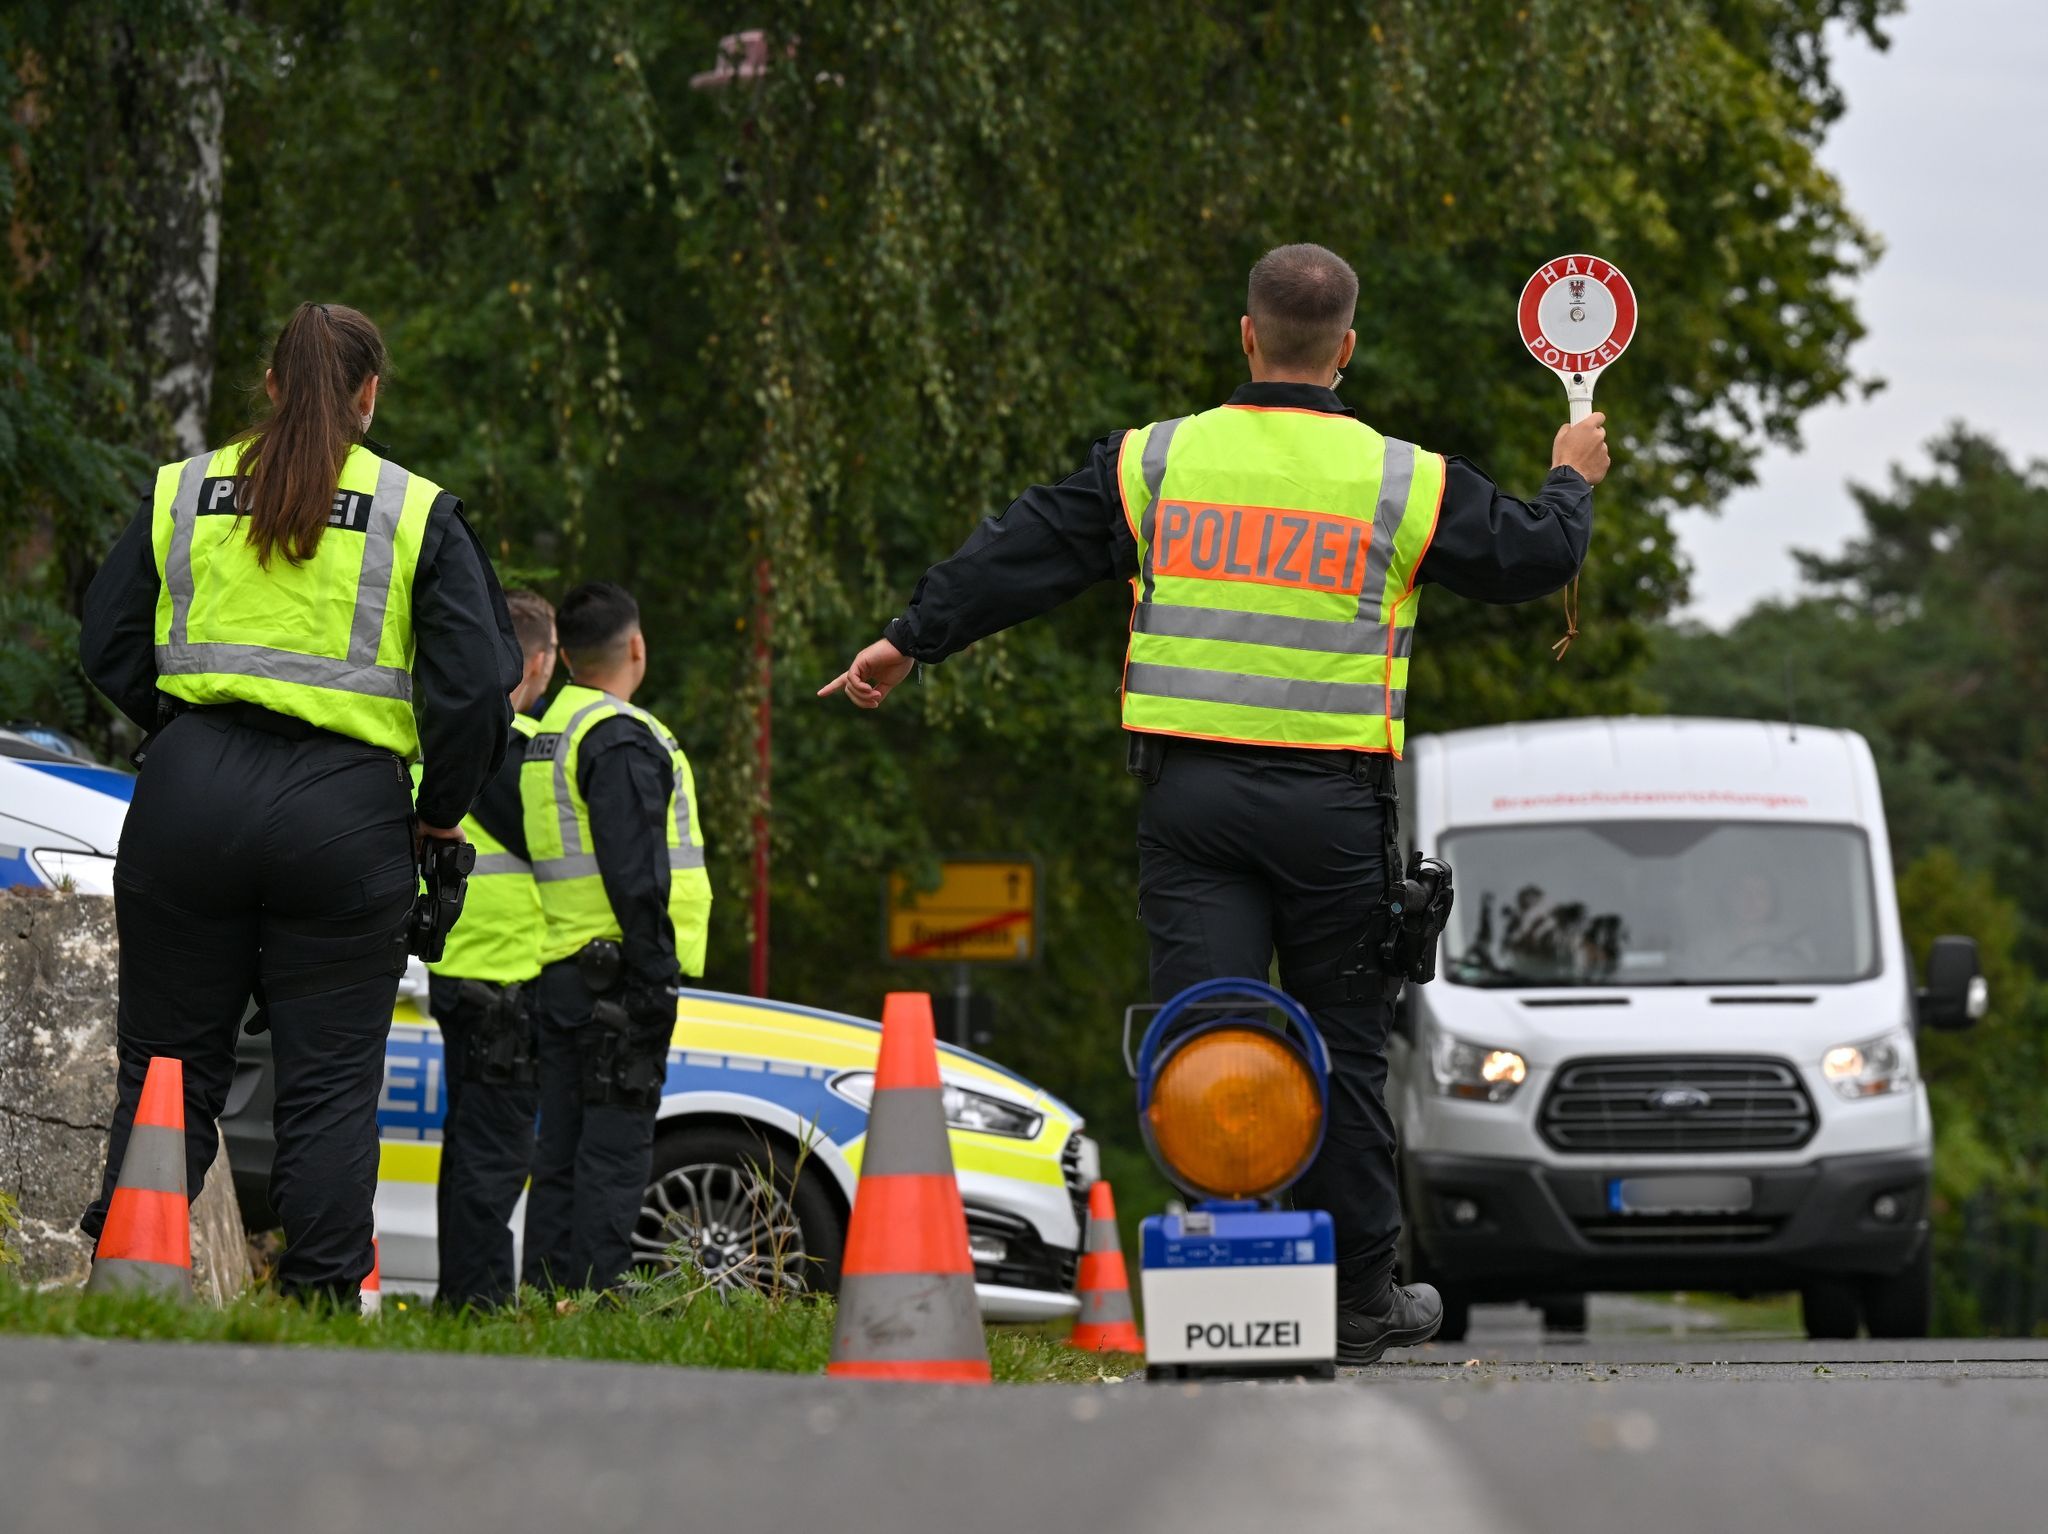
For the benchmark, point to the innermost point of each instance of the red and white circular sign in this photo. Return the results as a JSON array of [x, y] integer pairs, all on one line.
[[1577, 314]]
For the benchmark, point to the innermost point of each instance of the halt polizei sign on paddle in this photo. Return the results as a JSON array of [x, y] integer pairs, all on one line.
[[1577, 314]]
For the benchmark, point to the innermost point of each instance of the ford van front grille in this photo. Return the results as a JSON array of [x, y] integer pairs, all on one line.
[[1665, 1105]]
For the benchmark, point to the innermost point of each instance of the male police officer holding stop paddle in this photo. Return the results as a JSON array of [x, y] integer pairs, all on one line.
[[1277, 547]]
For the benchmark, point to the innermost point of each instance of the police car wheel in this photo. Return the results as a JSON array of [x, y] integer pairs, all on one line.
[[734, 1206]]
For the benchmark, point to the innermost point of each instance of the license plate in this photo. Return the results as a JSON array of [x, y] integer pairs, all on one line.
[[1679, 1195]]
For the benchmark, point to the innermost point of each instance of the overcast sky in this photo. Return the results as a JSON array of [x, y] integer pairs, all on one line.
[[1944, 151]]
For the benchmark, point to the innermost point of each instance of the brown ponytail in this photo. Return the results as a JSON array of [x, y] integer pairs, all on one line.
[[292, 465]]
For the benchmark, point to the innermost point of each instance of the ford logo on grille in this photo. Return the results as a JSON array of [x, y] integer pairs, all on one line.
[[1679, 1100]]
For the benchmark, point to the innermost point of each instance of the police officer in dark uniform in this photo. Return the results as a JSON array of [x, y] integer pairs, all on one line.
[[618, 856], [481, 997], [291, 618], [1277, 548]]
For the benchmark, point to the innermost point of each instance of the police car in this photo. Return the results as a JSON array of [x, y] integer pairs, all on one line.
[[60, 813], [757, 1153], [762, 1122]]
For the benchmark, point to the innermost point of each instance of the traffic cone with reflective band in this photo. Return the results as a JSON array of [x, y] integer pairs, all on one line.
[[146, 1242], [1105, 1325], [907, 1307], [373, 1286]]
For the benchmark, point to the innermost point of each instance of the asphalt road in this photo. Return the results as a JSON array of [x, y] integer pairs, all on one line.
[[1673, 1430]]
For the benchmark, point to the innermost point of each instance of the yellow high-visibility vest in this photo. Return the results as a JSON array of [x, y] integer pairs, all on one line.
[[498, 936], [558, 834], [329, 640], [1275, 599]]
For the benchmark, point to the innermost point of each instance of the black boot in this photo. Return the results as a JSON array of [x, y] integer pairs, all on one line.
[[1402, 1316]]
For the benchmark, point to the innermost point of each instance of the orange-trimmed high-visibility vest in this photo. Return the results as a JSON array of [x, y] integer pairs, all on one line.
[[1275, 598]]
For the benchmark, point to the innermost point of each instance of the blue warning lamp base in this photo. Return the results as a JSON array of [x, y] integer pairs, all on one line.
[[1236, 1289]]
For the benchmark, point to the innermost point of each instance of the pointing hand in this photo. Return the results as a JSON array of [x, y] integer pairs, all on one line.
[[872, 676]]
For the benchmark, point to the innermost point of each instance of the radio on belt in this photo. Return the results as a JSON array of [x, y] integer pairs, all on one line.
[[1233, 1090]]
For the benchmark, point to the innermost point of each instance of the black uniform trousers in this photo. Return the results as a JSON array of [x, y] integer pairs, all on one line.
[[1243, 851], [281, 861], [591, 1164], [486, 1153]]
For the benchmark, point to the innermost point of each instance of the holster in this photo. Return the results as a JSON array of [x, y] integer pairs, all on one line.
[[1144, 755], [1367, 975], [504, 1050], [623, 1063]]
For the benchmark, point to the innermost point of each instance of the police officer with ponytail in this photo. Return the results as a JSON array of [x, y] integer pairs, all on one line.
[[291, 619], [618, 856]]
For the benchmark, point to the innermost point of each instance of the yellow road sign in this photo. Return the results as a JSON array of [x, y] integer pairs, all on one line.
[[984, 911]]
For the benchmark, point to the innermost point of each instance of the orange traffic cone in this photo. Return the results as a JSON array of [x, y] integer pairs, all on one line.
[[907, 1307], [373, 1286], [147, 1240], [1105, 1325]]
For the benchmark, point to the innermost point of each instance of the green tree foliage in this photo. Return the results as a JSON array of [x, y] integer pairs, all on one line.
[[807, 327], [1923, 636], [95, 108], [1989, 1091]]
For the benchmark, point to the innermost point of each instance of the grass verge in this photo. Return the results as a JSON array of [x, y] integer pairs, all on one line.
[[661, 1326], [1772, 1313]]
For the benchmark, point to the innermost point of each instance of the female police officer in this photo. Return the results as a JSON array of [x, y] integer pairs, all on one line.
[[293, 616]]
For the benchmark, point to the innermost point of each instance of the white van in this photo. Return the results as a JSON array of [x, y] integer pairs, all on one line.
[[1671, 1040]]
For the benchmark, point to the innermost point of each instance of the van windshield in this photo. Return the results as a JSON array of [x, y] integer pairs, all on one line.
[[1660, 902]]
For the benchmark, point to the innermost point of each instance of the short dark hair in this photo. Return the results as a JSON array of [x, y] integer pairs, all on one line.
[[593, 622], [533, 620], [1302, 298]]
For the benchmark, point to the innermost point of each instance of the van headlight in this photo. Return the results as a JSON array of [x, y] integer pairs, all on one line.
[[964, 1109], [1477, 1072], [1872, 1068]]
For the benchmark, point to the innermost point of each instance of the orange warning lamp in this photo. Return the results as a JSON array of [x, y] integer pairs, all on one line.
[[1232, 1106]]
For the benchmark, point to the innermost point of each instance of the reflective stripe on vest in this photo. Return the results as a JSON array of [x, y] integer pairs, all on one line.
[[1275, 598], [565, 866], [328, 640], [499, 934]]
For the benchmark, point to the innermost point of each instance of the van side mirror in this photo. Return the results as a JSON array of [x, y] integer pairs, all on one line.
[[1955, 994]]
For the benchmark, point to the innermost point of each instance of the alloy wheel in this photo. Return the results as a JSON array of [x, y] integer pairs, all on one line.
[[732, 1223]]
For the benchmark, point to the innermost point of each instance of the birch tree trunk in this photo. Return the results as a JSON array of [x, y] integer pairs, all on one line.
[[186, 237]]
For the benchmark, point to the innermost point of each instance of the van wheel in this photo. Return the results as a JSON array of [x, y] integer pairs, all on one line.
[[1563, 1312], [1901, 1304], [1830, 1308], [732, 1203]]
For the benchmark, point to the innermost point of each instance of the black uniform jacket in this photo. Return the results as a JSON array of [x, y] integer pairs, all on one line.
[[467, 658], [498, 808], [627, 781], [1055, 541]]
